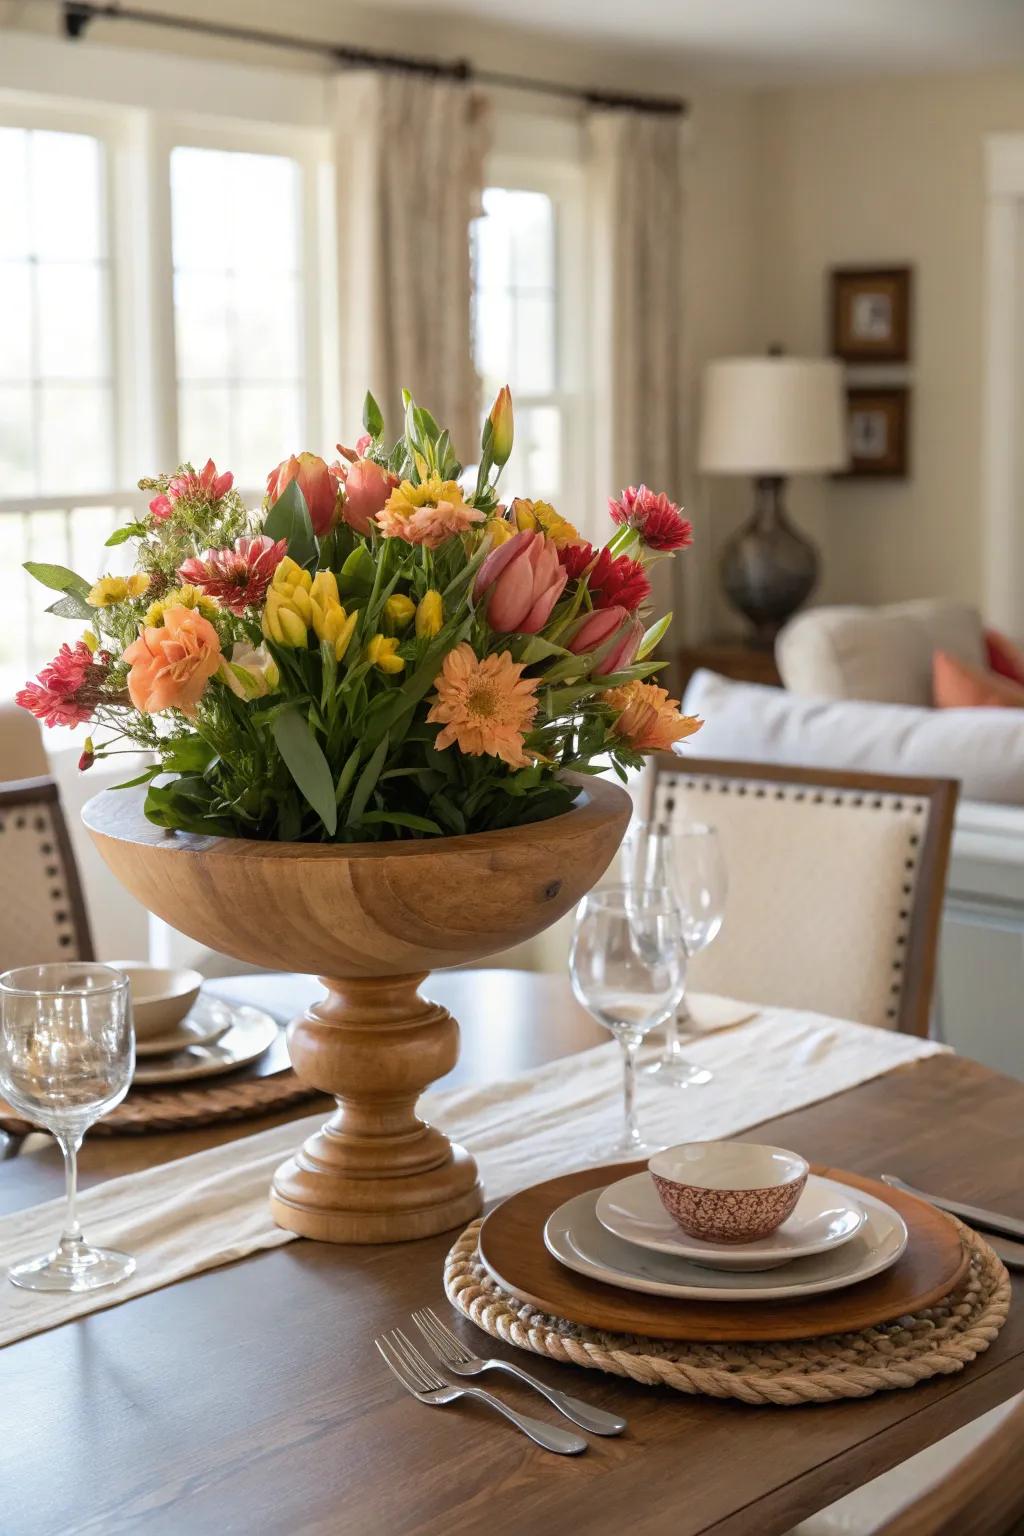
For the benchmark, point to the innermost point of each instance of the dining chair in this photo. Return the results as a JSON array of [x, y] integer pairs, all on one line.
[[42, 913], [835, 884], [22, 753], [982, 1496]]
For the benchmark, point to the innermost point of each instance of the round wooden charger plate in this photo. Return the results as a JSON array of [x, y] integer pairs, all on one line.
[[512, 1247]]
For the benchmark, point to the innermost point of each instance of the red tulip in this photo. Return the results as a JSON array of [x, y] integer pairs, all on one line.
[[315, 481], [367, 487], [522, 581]]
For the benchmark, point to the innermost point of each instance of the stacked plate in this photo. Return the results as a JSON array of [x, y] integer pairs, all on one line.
[[623, 1236], [180, 1034]]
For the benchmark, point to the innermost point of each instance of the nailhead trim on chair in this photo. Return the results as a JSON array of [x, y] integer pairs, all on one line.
[[47, 849], [668, 785]]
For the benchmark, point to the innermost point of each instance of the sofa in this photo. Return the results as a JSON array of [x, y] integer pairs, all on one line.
[[857, 694]]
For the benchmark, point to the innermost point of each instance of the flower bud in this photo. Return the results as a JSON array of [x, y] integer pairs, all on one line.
[[88, 756], [399, 612], [317, 484], [381, 651], [429, 615], [502, 427]]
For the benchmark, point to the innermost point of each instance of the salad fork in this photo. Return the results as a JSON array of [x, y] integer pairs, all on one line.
[[419, 1378], [451, 1351]]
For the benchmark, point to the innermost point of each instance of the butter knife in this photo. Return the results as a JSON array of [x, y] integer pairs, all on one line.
[[974, 1215]]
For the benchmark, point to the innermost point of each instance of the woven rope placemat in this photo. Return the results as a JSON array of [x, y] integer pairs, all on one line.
[[935, 1342], [188, 1107]]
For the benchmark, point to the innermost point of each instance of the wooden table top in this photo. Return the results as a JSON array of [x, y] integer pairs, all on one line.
[[250, 1398]]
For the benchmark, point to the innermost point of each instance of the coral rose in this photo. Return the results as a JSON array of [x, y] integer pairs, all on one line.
[[171, 666]]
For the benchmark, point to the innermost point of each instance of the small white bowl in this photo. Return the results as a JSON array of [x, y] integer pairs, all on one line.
[[728, 1191], [160, 998]]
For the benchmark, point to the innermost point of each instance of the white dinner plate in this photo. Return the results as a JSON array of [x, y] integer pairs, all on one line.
[[577, 1239], [207, 1020], [251, 1033], [826, 1216]]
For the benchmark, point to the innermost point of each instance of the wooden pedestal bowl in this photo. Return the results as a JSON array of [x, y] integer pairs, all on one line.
[[371, 919]]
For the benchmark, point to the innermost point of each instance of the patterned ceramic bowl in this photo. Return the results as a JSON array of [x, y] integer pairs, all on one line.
[[728, 1191]]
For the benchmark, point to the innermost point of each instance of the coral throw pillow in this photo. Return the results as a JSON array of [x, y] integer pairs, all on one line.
[[1003, 656], [957, 685]]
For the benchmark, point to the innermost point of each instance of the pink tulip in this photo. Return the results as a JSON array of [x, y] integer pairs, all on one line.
[[597, 628], [523, 581], [317, 484], [367, 488]]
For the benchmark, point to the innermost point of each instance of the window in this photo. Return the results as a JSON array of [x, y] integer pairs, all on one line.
[[528, 287], [57, 430], [238, 308]]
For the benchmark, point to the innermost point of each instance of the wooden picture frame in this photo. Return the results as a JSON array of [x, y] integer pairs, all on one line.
[[877, 432], [871, 314]]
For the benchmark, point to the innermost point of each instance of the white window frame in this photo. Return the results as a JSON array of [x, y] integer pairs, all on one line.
[[1002, 486], [553, 166]]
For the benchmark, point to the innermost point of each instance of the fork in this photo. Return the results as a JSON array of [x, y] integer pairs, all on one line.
[[451, 1351], [406, 1363]]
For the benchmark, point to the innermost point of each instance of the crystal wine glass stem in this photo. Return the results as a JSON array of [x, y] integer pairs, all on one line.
[[630, 1044], [71, 1236]]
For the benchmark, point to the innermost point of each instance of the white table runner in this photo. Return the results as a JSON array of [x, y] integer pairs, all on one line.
[[211, 1208]]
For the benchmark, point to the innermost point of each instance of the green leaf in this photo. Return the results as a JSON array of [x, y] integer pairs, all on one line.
[[652, 636], [289, 519], [355, 579], [346, 775], [367, 779], [373, 421], [401, 819], [307, 765], [72, 606], [143, 778], [187, 754], [57, 577], [122, 535]]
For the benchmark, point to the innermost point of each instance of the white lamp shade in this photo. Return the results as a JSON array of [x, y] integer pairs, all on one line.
[[772, 416]]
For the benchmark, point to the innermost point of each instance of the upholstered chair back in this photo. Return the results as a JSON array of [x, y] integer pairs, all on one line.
[[42, 915], [835, 885]]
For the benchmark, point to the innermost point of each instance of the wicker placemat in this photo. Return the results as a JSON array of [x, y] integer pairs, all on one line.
[[187, 1106], [935, 1342]]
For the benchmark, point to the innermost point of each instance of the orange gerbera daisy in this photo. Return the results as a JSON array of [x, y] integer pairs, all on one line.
[[484, 706], [646, 718]]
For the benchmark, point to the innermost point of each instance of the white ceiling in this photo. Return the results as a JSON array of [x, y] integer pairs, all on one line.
[[775, 40]]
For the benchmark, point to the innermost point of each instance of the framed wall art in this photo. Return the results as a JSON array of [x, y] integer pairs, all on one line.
[[871, 312], [878, 432]]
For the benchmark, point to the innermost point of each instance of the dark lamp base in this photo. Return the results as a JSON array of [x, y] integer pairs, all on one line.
[[768, 567]]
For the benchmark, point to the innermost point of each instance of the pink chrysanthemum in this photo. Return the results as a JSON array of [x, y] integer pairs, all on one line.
[[207, 485], [67, 689], [238, 578], [658, 521]]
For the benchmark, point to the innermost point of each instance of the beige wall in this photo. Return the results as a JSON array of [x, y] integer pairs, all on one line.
[[888, 172]]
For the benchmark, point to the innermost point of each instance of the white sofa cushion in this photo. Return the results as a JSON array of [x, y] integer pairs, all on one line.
[[983, 748], [876, 653]]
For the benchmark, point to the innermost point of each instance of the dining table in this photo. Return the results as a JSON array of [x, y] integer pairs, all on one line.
[[250, 1397]]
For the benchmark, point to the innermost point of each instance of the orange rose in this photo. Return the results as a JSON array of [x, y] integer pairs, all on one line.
[[170, 666]]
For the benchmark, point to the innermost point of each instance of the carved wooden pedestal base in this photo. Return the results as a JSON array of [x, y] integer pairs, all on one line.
[[375, 1173]]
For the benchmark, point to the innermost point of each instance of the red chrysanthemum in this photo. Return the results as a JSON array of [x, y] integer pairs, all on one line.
[[238, 578], [618, 582], [207, 486], [613, 582], [658, 521], [67, 689]]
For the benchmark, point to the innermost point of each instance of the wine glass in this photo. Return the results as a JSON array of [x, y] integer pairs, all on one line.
[[685, 859], [627, 964], [67, 1053]]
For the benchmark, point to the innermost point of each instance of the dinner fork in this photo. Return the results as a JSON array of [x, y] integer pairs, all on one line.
[[406, 1363], [459, 1358]]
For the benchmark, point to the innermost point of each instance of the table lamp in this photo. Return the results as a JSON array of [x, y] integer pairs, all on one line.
[[771, 417]]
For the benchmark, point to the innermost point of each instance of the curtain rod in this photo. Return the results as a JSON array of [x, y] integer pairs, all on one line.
[[77, 15]]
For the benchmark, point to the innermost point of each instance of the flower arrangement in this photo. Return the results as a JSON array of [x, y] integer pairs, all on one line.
[[383, 650]]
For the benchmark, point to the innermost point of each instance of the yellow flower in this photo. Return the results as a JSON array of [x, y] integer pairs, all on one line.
[[429, 615], [288, 614], [407, 498], [484, 706], [541, 515], [329, 620], [90, 641], [180, 597], [428, 513], [380, 653], [500, 530], [399, 611], [116, 589], [502, 427]]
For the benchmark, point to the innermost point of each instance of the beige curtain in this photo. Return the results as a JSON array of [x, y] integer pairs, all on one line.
[[636, 187], [410, 178]]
